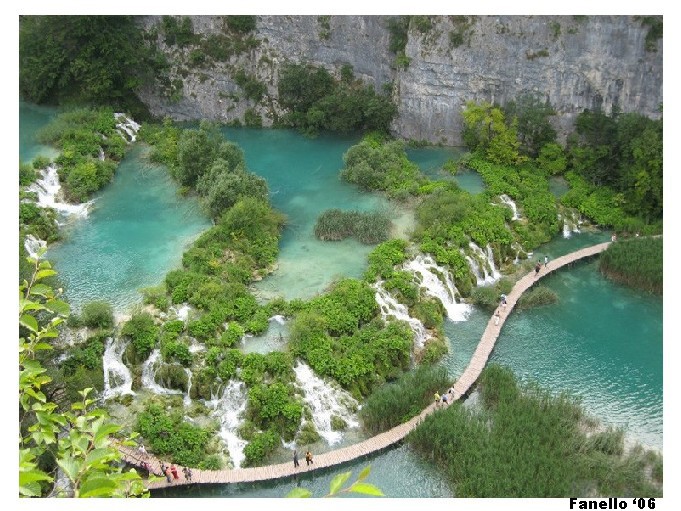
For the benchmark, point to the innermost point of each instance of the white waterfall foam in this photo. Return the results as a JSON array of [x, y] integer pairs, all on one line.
[[127, 126], [228, 410], [188, 400], [571, 224], [509, 202], [490, 260], [325, 401], [482, 264], [117, 377], [182, 312], [279, 319], [566, 230], [391, 307], [33, 244], [149, 372], [48, 187], [438, 284]]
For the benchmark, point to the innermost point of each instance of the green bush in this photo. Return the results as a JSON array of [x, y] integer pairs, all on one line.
[[156, 296], [27, 174], [308, 434], [260, 447], [172, 376], [537, 296], [143, 334], [168, 435], [97, 315]]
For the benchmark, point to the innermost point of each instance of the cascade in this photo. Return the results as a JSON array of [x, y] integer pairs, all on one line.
[[490, 260], [127, 126], [278, 318], [33, 244], [438, 284], [325, 401], [390, 307], [182, 312], [228, 410], [47, 188], [509, 202], [117, 377], [188, 400], [482, 264], [149, 373]]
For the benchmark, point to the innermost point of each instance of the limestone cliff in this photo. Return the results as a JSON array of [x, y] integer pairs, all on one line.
[[576, 62]]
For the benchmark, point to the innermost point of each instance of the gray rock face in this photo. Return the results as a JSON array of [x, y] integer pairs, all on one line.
[[575, 62]]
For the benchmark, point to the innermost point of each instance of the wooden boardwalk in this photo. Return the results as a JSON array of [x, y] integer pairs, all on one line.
[[382, 440]]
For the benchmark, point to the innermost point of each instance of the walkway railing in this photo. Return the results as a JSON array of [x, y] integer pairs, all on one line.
[[382, 440]]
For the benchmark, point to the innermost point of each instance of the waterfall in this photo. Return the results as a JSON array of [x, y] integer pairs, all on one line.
[[509, 202], [566, 230], [438, 284], [490, 260], [571, 225], [482, 264], [127, 126], [117, 377], [228, 409], [181, 312], [188, 400], [390, 307], [33, 244], [278, 318], [47, 187], [149, 373], [325, 401]]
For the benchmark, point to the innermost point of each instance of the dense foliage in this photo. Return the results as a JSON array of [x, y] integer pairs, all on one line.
[[76, 438], [83, 136], [396, 403], [526, 442], [85, 59], [377, 165], [316, 101], [97, 315], [368, 227], [636, 262], [622, 152], [168, 434]]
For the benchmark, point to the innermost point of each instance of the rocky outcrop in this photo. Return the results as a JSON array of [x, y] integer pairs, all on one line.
[[576, 62]]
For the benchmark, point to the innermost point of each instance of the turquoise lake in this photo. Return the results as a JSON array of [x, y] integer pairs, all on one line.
[[601, 342]]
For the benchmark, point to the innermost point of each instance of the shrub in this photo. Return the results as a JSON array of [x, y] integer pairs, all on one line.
[[27, 174], [537, 296], [97, 315], [368, 228], [156, 296], [308, 434], [260, 447], [142, 332], [636, 262], [172, 376]]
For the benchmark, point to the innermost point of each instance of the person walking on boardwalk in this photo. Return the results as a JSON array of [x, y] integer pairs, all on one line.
[[295, 459], [173, 470], [546, 261], [437, 399], [537, 268], [168, 474], [496, 317], [308, 458], [187, 473]]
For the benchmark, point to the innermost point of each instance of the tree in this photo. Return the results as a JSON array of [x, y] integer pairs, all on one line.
[[534, 126], [196, 150], [485, 129], [98, 59], [78, 442]]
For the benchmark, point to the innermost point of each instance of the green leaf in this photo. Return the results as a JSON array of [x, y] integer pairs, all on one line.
[[42, 290], [105, 431], [299, 493], [58, 306], [97, 487], [29, 322], [70, 466], [44, 273], [366, 489], [338, 482], [97, 455], [364, 473]]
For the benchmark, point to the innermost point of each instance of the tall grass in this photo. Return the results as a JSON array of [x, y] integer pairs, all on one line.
[[525, 442], [636, 262], [539, 295], [395, 403], [336, 225]]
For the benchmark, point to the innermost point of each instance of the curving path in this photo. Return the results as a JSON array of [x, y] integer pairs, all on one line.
[[382, 440]]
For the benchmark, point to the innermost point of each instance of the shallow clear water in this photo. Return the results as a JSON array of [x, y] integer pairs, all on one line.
[[136, 232], [31, 119], [431, 159]]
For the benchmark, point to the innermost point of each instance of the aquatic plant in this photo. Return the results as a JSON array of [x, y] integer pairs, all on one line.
[[635, 262]]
